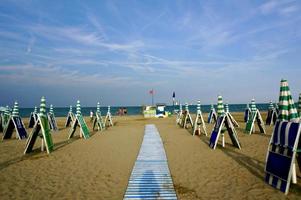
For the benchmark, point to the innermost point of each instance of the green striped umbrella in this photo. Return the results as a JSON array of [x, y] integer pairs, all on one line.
[[186, 107], [43, 107], [253, 106], [35, 109], [299, 105], [271, 106], [7, 111], [98, 107], [51, 109], [287, 108], [212, 107], [78, 109], [198, 107], [109, 109], [70, 109], [226, 108], [16, 110], [248, 107], [220, 106]]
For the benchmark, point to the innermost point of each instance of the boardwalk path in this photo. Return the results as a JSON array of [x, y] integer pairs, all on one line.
[[150, 178]]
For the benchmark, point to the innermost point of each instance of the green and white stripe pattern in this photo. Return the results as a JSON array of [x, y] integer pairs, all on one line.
[[35, 109], [109, 109], [253, 106], [70, 109], [212, 107], [7, 111], [16, 109], [198, 107], [287, 108], [186, 107], [299, 105], [226, 108], [271, 106], [78, 110], [51, 109], [220, 106], [98, 107], [43, 107]]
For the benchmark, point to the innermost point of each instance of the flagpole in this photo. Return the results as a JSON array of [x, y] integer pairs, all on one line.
[[152, 97]]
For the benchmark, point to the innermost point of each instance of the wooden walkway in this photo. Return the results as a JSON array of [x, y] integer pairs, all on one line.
[[150, 178]]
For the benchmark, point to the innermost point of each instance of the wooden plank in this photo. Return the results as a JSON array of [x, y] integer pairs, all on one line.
[[150, 178]]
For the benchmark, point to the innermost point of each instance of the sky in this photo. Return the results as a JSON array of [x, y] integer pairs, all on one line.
[[115, 52]]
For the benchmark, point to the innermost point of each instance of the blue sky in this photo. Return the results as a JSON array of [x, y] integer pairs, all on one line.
[[116, 51]]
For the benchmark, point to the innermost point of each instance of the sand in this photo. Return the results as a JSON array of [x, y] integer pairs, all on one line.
[[99, 167]]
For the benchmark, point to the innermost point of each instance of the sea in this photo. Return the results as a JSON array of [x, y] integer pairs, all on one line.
[[137, 110]]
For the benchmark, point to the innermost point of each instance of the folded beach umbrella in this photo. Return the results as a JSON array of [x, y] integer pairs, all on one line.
[[287, 108], [271, 106], [253, 106], [299, 105], [78, 109], [98, 107], [226, 108], [220, 106], [16, 110], [43, 107]]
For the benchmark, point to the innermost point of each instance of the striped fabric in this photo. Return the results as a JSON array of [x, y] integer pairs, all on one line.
[[43, 107], [281, 155], [287, 109], [198, 107], [51, 109], [35, 109], [98, 107], [271, 106], [253, 106], [15, 110], [285, 133], [226, 108], [186, 107], [78, 109], [299, 105], [70, 109], [220, 106]]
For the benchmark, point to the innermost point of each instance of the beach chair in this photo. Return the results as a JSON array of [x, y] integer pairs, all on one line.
[[247, 114], [281, 155], [223, 121], [271, 117], [212, 116], [250, 125], [108, 119], [79, 120], [70, 118], [199, 122], [32, 119], [52, 122], [42, 129], [14, 123], [98, 121]]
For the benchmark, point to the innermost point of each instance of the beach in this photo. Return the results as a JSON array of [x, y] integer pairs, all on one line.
[[99, 167]]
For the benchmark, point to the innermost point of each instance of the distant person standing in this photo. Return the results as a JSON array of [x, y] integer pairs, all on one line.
[[125, 111], [91, 116]]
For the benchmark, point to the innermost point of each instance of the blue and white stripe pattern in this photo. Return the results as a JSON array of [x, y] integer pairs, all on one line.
[[281, 154], [150, 178]]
